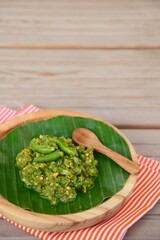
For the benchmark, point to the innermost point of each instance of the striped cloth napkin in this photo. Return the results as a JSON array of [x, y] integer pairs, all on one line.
[[144, 197]]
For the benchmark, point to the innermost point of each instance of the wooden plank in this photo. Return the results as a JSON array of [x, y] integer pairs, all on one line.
[[154, 213], [80, 24], [10, 232], [143, 230], [145, 142], [120, 86]]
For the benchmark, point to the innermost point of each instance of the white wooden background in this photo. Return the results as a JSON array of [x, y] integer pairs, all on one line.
[[98, 57]]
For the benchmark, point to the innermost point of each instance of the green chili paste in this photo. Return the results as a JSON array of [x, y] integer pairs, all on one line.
[[57, 168]]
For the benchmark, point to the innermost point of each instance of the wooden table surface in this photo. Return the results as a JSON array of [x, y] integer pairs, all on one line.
[[98, 57]]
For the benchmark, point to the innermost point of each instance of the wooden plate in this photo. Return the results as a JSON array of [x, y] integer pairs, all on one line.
[[67, 222]]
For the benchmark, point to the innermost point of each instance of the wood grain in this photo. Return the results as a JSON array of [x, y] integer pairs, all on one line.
[[112, 77], [109, 84], [145, 142], [70, 221], [80, 24]]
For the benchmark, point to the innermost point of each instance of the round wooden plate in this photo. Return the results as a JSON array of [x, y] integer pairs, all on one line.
[[67, 222]]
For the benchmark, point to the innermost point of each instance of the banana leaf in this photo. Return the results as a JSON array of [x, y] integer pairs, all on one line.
[[111, 176]]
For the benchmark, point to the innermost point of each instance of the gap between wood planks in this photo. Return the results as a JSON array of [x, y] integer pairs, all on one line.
[[80, 47], [140, 126]]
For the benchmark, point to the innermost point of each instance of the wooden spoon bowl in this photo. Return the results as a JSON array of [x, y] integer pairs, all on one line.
[[86, 138], [70, 221]]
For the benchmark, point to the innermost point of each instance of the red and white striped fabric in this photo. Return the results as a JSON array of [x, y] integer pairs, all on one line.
[[144, 197]]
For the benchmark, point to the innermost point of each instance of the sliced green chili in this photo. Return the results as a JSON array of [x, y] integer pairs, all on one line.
[[45, 149], [65, 148], [49, 157]]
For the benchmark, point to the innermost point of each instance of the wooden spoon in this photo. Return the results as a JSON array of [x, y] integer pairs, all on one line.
[[86, 138]]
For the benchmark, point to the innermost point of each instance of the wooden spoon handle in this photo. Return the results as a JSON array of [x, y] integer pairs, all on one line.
[[125, 163]]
